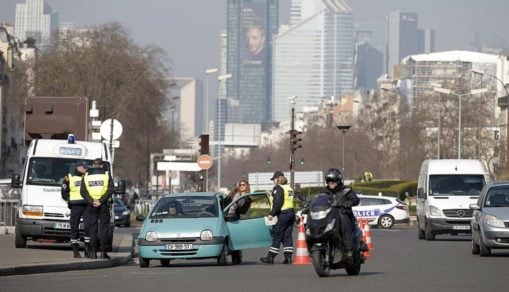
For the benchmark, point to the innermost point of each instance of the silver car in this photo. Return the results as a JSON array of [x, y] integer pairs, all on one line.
[[490, 219]]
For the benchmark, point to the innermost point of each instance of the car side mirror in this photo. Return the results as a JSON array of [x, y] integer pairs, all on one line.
[[420, 193], [474, 207], [15, 181], [120, 188]]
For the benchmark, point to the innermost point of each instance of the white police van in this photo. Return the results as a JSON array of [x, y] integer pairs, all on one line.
[[381, 211], [42, 214]]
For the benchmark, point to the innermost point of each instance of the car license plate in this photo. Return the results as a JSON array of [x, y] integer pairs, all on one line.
[[461, 227], [179, 246], [62, 226]]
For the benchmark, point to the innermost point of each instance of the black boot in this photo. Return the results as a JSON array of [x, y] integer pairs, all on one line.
[[288, 259], [104, 255], [87, 249], [76, 250], [93, 253]]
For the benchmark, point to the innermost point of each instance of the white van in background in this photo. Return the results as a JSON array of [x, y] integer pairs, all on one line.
[[445, 190]]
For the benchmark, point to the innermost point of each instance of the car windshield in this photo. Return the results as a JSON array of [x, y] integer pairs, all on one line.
[[50, 171], [456, 185], [185, 207], [497, 197]]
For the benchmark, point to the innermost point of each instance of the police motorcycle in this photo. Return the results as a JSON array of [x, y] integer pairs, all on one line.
[[324, 240]]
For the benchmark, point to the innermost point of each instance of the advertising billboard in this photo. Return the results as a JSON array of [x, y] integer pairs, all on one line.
[[254, 32]]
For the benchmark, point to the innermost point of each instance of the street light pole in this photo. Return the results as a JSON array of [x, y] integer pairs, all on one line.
[[220, 78], [343, 129], [449, 91]]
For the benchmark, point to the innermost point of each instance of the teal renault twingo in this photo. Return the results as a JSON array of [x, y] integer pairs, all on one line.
[[198, 226]]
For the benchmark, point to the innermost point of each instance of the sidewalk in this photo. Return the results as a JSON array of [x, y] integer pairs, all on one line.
[[49, 258]]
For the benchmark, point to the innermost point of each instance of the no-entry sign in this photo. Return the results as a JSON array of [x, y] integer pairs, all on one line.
[[204, 162]]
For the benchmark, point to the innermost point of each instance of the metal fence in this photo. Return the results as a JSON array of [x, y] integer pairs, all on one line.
[[8, 209]]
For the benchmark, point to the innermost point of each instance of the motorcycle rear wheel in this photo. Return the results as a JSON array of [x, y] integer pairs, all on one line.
[[320, 263]]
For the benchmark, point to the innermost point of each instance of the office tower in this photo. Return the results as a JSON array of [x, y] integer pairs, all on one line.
[[402, 37], [35, 19], [251, 25], [426, 41], [313, 58], [368, 61]]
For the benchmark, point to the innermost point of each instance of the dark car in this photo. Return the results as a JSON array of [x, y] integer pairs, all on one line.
[[122, 213]]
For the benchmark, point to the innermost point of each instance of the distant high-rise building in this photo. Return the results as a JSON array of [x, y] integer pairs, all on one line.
[[425, 41], [368, 62], [35, 19], [402, 37], [251, 25], [313, 58]]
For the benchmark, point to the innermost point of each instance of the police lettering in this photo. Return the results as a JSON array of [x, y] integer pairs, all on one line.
[[77, 183], [96, 183]]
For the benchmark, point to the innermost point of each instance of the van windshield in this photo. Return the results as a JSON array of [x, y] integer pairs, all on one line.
[[456, 185], [50, 171]]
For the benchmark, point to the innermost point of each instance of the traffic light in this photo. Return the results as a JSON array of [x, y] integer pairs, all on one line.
[[295, 139], [204, 144]]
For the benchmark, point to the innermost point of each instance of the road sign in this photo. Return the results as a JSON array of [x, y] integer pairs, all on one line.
[[106, 129], [204, 162]]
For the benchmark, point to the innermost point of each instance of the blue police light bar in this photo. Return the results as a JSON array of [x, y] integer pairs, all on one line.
[[71, 139]]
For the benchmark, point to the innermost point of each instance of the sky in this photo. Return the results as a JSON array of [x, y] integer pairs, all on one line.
[[188, 30]]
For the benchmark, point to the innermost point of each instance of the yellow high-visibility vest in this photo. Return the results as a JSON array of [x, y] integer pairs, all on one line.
[[287, 198], [96, 184], [74, 187]]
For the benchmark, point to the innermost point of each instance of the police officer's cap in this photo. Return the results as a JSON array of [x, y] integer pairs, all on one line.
[[98, 161], [82, 163], [277, 174]]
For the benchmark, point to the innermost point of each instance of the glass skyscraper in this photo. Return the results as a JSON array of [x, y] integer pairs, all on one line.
[[251, 25], [35, 19], [314, 57]]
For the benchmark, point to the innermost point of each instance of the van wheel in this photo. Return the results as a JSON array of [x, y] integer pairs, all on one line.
[[20, 241], [428, 234], [475, 246], [421, 233]]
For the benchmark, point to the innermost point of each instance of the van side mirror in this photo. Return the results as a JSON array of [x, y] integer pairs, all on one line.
[[16, 181], [120, 188], [420, 193]]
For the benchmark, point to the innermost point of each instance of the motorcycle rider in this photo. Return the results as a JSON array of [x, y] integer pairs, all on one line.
[[345, 199]]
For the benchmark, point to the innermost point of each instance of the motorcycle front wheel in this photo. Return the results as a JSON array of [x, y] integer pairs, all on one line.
[[320, 263], [355, 268]]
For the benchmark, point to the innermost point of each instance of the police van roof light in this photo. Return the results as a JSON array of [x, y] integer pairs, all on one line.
[[71, 139]]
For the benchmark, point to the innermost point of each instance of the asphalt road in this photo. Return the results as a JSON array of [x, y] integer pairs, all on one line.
[[400, 262]]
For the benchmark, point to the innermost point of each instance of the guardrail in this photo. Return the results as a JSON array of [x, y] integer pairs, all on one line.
[[8, 209]]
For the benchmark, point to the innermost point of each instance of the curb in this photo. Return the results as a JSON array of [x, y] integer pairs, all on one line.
[[63, 267]]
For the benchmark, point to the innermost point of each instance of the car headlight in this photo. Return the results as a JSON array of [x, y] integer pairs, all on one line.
[[317, 215], [31, 210], [434, 211], [126, 212], [494, 221], [151, 236], [206, 235]]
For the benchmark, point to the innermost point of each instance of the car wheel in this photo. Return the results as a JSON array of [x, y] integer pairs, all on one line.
[[428, 234], [165, 262], [222, 258], [386, 221], [236, 257], [144, 262], [475, 246], [483, 250]]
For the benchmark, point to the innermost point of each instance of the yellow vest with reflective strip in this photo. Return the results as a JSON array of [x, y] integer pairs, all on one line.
[[74, 187], [96, 184], [287, 198]]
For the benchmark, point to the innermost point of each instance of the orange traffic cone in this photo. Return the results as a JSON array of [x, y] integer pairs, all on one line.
[[367, 234], [302, 253]]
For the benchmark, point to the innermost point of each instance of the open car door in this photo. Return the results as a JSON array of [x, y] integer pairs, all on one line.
[[247, 223]]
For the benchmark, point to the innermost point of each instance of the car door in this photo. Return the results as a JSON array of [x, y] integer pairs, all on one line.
[[247, 229]]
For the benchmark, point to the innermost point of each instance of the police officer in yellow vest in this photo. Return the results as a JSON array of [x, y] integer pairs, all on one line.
[[71, 194], [282, 207], [97, 188]]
